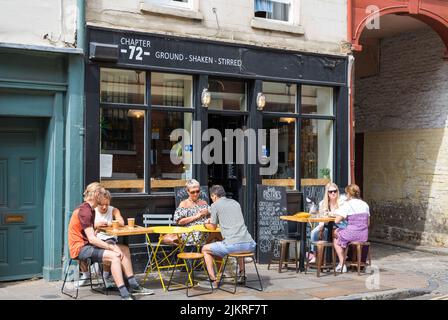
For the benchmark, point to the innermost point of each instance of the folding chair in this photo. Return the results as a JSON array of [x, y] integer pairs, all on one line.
[[155, 219]]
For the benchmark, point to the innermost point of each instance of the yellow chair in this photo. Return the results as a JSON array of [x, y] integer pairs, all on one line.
[[165, 262]]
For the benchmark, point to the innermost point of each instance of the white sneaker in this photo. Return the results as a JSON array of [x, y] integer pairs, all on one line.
[[83, 280], [339, 267]]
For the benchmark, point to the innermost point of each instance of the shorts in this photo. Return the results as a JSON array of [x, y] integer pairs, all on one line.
[[221, 249], [93, 253]]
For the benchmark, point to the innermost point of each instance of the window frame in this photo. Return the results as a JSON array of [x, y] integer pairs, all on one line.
[[147, 107], [299, 116], [189, 5], [291, 8]]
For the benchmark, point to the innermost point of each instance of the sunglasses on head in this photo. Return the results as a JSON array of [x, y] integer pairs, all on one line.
[[194, 191], [332, 191]]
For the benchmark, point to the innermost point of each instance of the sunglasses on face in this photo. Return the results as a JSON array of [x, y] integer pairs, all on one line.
[[194, 191], [332, 191]]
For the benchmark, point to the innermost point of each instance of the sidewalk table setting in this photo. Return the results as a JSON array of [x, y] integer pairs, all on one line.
[[302, 219]]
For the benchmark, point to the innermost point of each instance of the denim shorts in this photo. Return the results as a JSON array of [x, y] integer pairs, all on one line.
[[221, 248], [93, 253]]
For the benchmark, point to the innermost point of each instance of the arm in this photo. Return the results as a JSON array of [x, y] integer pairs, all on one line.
[[97, 242], [188, 220], [117, 216], [339, 219], [210, 226]]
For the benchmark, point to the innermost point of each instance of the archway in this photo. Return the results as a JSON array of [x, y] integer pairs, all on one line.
[[400, 107]]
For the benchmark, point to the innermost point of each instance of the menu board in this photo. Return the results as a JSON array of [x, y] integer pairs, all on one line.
[[271, 204], [180, 194]]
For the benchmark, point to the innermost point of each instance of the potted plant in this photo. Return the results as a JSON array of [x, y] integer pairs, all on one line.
[[325, 173]]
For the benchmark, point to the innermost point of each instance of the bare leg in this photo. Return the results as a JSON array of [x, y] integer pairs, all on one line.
[[208, 258], [115, 263], [83, 266], [241, 264], [126, 261], [339, 250]]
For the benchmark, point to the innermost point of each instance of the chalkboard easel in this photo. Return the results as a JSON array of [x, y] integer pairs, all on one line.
[[271, 204]]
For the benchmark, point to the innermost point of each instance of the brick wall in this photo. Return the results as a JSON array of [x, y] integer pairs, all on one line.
[[403, 112]]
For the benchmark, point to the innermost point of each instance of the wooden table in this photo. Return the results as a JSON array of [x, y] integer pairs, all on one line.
[[126, 231], [302, 222]]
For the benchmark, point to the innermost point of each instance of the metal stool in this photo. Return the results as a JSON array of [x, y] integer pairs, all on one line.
[[284, 253], [89, 265], [358, 262], [194, 256], [238, 255]]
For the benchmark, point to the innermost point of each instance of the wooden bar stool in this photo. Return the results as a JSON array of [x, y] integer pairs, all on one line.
[[358, 255], [194, 257], [284, 258], [321, 257], [236, 256]]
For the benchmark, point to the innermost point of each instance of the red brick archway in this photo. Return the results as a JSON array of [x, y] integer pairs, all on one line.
[[432, 12]]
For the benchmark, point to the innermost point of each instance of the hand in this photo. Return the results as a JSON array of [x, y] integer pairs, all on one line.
[[208, 220], [118, 251]]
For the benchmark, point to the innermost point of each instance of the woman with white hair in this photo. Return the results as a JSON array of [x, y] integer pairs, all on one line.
[[192, 211]]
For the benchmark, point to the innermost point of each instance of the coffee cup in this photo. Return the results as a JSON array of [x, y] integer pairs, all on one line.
[[131, 222]]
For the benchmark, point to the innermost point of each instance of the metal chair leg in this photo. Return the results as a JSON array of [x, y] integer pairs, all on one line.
[[65, 280], [258, 277]]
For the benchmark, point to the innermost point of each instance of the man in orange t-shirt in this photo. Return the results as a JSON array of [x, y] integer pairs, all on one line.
[[84, 245]]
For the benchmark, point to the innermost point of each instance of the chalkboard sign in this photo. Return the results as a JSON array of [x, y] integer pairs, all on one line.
[[180, 194], [315, 192], [271, 204]]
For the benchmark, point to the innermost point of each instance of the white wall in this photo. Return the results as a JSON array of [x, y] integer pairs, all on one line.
[[323, 22], [27, 22]]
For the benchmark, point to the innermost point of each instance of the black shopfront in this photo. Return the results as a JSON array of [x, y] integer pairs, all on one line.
[[140, 87]]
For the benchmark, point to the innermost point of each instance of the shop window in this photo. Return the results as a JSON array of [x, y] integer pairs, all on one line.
[[122, 86], [280, 97], [273, 9], [166, 173], [227, 94], [122, 149], [317, 100], [171, 90], [285, 175], [316, 141]]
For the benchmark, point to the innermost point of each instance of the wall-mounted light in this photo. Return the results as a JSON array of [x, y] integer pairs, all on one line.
[[206, 98], [261, 101], [132, 113]]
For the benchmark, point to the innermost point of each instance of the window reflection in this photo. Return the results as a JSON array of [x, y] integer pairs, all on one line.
[[227, 94], [122, 86], [165, 175], [122, 149]]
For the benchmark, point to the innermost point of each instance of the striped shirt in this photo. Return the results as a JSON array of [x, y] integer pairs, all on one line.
[[227, 213]]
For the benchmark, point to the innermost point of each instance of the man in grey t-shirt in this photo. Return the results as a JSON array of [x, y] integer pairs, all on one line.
[[227, 213]]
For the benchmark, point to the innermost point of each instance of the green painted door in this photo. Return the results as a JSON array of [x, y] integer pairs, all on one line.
[[21, 198]]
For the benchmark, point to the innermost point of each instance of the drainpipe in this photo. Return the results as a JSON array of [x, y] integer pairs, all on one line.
[[351, 128], [74, 132]]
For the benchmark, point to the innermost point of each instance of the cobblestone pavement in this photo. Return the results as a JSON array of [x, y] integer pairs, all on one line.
[[394, 270]]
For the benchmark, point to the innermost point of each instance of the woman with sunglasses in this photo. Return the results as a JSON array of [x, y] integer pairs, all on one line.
[[192, 211], [327, 206]]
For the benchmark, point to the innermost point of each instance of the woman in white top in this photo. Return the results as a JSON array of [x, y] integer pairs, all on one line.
[[357, 214], [104, 214]]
